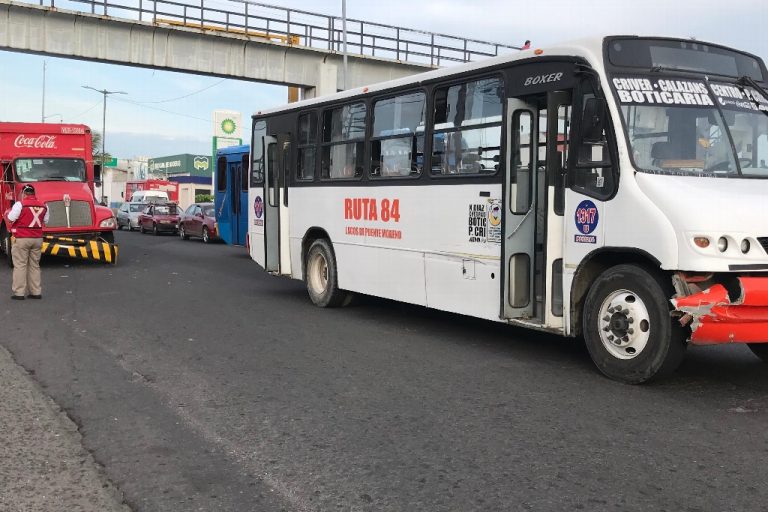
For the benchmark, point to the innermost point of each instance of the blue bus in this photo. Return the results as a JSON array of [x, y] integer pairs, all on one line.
[[231, 194]]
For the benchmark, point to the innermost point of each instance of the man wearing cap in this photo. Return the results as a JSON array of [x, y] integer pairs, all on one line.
[[28, 217]]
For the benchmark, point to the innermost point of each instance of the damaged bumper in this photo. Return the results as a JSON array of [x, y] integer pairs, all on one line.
[[94, 249], [719, 314]]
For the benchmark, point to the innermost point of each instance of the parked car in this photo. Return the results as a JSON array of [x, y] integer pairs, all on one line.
[[159, 218], [128, 215], [199, 220]]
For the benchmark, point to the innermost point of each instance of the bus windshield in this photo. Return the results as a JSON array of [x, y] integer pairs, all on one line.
[[685, 133], [50, 169]]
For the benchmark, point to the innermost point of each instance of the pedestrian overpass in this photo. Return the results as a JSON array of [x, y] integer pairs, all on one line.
[[233, 39]]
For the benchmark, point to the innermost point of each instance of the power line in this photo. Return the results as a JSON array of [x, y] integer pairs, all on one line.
[[78, 116], [186, 95], [162, 110]]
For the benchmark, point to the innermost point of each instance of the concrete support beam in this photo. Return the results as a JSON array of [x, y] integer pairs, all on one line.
[[71, 34]]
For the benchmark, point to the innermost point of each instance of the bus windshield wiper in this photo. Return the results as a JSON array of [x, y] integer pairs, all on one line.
[[747, 80]]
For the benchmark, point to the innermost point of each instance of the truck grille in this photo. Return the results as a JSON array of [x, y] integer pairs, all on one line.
[[79, 214], [764, 242]]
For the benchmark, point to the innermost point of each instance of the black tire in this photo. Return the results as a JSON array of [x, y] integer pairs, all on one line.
[[615, 291], [321, 276], [141, 229], [206, 235], [760, 350], [183, 233], [154, 230], [8, 248]]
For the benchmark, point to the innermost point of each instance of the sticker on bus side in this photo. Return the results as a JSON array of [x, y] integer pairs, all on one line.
[[258, 211], [484, 222], [586, 218]]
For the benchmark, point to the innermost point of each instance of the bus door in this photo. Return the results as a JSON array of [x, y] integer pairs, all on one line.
[[520, 208], [537, 143], [235, 202], [278, 165], [271, 206]]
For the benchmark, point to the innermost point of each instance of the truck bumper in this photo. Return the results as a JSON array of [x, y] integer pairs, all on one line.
[[94, 249], [717, 316]]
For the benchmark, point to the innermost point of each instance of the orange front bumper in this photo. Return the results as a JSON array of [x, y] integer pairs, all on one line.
[[717, 317]]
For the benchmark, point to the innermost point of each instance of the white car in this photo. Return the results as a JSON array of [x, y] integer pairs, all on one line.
[[128, 215]]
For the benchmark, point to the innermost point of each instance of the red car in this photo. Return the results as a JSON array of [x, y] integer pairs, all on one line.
[[199, 220], [159, 218]]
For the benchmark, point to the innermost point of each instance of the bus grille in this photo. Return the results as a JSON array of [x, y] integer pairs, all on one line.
[[764, 242], [79, 214]]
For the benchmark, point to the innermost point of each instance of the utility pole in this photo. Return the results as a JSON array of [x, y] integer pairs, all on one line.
[[103, 118], [344, 42], [42, 116]]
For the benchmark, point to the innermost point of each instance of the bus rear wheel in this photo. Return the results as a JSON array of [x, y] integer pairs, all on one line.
[[627, 326], [760, 350], [322, 278]]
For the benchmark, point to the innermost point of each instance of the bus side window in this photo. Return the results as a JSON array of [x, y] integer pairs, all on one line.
[[397, 145], [467, 128], [221, 174], [305, 164], [592, 173], [343, 145], [257, 153]]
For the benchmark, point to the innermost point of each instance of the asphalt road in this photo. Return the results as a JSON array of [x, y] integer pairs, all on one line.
[[201, 383]]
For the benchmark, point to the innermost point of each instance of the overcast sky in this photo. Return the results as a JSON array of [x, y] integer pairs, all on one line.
[[153, 120]]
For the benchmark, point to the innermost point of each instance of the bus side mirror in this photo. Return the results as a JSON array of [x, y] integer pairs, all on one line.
[[97, 174], [593, 121]]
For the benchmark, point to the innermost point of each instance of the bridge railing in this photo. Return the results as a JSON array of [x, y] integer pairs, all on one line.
[[295, 27]]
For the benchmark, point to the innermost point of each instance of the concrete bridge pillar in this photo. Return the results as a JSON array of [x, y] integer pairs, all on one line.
[[327, 81]]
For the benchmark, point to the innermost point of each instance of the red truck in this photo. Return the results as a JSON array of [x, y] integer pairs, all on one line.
[[57, 159]]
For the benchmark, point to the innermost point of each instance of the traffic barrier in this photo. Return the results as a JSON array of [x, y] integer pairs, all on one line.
[[94, 249]]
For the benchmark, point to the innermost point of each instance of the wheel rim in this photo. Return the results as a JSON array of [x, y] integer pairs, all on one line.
[[624, 324], [181, 231], [318, 273], [205, 235]]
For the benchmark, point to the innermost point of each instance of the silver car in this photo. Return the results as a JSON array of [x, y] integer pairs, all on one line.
[[128, 215]]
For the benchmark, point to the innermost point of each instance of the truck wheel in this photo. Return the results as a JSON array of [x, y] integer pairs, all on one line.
[[627, 326], [322, 278], [8, 248], [760, 350]]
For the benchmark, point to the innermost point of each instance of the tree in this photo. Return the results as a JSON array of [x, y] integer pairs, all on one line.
[[96, 141]]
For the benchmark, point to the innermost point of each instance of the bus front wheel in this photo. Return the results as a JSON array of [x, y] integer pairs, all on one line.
[[322, 278], [627, 326]]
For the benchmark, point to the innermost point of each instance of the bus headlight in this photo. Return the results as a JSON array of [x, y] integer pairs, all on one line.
[[108, 223], [745, 246], [722, 244]]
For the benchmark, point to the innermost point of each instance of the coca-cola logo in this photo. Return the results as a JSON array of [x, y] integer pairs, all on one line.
[[40, 142]]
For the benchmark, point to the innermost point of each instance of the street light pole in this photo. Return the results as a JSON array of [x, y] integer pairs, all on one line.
[[103, 118], [42, 116], [344, 40]]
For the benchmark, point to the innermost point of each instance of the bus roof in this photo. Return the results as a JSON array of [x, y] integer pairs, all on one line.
[[590, 48], [578, 48], [233, 150]]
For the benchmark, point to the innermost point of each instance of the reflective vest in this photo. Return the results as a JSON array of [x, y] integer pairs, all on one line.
[[30, 221]]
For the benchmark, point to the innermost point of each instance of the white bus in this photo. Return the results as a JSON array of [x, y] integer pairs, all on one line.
[[614, 188]]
